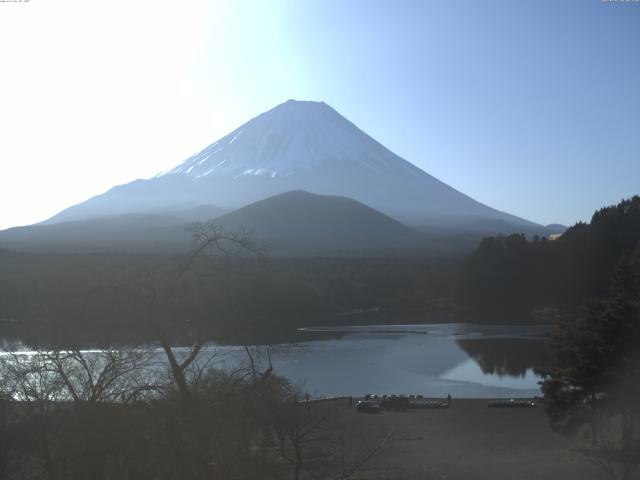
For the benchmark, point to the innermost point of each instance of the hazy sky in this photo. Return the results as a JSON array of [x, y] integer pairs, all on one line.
[[530, 106]]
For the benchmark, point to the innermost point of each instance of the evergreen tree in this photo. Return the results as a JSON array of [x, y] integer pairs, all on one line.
[[596, 376], [511, 275]]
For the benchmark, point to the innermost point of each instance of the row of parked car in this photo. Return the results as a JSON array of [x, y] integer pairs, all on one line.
[[512, 403], [376, 403]]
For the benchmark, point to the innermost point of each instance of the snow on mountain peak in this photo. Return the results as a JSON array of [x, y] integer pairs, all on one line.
[[295, 136], [298, 145]]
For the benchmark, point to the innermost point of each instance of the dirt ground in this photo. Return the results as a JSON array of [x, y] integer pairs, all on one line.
[[467, 441]]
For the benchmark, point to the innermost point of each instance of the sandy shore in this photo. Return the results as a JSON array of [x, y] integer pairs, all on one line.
[[468, 441]]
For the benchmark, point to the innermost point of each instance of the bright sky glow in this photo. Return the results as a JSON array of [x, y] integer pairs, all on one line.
[[529, 107]]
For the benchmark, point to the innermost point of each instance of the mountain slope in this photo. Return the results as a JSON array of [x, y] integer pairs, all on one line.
[[127, 233], [298, 222], [292, 223], [296, 146]]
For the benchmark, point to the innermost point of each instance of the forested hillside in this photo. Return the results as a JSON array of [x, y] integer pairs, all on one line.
[[513, 275], [89, 294]]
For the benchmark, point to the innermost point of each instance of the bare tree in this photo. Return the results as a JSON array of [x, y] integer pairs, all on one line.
[[168, 300], [26, 378], [62, 400], [113, 374], [313, 440]]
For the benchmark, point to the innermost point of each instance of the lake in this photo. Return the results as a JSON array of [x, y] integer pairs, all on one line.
[[464, 360], [434, 360]]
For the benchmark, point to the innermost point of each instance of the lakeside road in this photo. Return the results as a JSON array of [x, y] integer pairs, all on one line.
[[467, 441]]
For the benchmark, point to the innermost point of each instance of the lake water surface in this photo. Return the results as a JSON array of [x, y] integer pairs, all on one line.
[[435, 360]]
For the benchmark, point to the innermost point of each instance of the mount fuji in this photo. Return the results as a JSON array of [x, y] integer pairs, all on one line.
[[300, 145]]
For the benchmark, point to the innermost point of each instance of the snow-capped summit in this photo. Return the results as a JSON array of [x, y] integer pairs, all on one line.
[[298, 145], [294, 137]]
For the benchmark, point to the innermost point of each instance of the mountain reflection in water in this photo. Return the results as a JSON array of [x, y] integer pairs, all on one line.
[[463, 360], [506, 356]]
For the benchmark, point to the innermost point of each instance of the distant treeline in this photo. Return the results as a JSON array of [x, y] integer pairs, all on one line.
[[261, 299], [90, 295], [512, 275]]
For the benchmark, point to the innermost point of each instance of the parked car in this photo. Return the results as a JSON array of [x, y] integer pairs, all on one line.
[[367, 406]]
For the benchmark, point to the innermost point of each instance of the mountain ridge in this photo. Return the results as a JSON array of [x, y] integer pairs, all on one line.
[[295, 223], [297, 145]]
